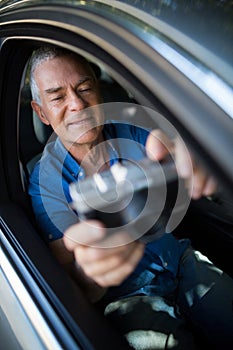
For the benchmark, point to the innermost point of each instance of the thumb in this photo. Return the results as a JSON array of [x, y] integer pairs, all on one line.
[[158, 145], [84, 233]]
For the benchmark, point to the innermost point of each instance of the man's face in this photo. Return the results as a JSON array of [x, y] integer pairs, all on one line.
[[67, 90]]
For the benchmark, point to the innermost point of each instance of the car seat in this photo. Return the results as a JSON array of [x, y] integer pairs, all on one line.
[[33, 134]]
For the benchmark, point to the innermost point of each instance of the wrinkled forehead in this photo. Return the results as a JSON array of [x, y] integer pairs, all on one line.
[[63, 63], [66, 60]]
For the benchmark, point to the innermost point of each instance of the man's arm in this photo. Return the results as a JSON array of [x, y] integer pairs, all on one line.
[[92, 290], [110, 266], [108, 260]]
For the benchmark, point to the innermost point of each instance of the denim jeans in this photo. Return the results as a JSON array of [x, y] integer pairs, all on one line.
[[199, 314]]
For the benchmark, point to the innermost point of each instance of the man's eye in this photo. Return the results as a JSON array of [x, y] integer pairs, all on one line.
[[57, 98], [85, 89]]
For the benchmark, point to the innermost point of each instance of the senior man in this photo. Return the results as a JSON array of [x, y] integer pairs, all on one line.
[[167, 271]]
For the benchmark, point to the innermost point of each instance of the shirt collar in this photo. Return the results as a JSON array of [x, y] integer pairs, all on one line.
[[72, 166], [69, 163]]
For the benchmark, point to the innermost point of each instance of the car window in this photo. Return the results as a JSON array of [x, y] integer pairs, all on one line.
[[214, 18]]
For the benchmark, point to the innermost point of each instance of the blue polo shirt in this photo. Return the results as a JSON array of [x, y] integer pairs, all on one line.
[[49, 191]]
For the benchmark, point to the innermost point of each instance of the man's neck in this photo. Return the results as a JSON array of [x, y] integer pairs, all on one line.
[[93, 157]]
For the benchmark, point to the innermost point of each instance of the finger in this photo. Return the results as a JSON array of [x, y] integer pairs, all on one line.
[[86, 233], [87, 254], [210, 187], [184, 163], [116, 239], [158, 145], [117, 275], [198, 180], [96, 265]]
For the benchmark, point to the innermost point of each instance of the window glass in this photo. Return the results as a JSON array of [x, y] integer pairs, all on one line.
[[207, 22]]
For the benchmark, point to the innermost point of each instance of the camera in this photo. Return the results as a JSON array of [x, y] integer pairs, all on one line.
[[136, 196]]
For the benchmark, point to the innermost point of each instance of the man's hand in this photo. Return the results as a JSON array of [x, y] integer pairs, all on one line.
[[198, 181], [108, 260]]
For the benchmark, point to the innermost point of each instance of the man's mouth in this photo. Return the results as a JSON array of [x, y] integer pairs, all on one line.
[[80, 122]]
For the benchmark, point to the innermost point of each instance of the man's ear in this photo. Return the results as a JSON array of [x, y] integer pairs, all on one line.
[[38, 111]]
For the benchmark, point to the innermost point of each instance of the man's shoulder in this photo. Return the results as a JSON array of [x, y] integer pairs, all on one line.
[[48, 161]]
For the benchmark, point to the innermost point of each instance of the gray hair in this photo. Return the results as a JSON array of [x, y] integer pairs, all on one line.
[[47, 53]]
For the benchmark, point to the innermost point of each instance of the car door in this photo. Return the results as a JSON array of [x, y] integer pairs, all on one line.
[[141, 56]]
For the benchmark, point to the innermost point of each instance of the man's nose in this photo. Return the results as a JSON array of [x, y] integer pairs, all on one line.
[[76, 102]]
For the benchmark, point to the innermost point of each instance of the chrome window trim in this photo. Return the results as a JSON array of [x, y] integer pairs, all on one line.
[[15, 319], [33, 313], [207, 81]]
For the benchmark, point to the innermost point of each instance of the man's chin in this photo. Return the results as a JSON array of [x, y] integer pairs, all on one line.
[[84, 137]]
